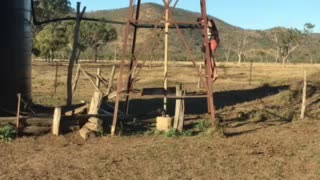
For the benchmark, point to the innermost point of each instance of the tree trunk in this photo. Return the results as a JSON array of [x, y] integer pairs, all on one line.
[[277, 55], [285, 58], [51, 56], [239, 57], [266, 58], [227, 54], [78, 56], [95, 54], [74, 53]]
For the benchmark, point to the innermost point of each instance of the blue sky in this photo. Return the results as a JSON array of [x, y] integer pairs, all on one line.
[[249, 14]]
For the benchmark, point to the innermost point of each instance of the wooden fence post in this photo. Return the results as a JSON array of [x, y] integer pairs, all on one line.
[[178, 106], [111, 78], [304, 95], [56, 121], [98, 79], [181, 115], [199, 79], [18, 111]]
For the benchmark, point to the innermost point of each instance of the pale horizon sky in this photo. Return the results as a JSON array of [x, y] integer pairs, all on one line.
[[247, 14]]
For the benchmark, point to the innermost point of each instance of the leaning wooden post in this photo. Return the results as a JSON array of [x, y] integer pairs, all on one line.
[[91, 81], [56, 121], [73, 57], [98, 79], [304, 95], [18, 111], [111, 78]]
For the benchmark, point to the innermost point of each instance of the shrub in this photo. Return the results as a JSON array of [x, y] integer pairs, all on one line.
[[187, 133], [8, 132], [203, 126], [172, 133]]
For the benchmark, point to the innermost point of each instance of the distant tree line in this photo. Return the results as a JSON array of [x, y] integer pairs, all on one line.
[[54, 40], [278, 44], [281, 45]]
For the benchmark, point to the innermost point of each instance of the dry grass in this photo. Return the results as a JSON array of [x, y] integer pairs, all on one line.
[[232, 77], [253, 141], [287, 152]]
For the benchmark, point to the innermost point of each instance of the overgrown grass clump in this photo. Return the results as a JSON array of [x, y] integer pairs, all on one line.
[[203, 126], [8, 132], [172, 133]]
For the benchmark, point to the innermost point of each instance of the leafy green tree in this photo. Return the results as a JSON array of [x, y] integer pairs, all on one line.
[[45, 10], [273, 37], [49, 9], [285, 40], [96, 36], [69, 33], [51, 39], [308, 30]]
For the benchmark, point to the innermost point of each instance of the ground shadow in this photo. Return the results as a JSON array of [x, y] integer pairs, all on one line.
[[199, 105], [143, 111]]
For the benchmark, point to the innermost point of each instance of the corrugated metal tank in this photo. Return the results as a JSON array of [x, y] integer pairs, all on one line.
[[15, 52]]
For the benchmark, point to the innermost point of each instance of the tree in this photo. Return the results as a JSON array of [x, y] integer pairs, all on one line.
[[49, 9], [96, 36], [288, 41], [241, 45], [227, 46], [44, 10], [274, 37], [51, 39], [308, 30]]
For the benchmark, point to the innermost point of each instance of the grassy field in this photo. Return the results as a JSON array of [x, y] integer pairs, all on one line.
[[232, 77], [260, 135]]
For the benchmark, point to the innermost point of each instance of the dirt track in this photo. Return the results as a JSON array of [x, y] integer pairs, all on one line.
[[289, 151]]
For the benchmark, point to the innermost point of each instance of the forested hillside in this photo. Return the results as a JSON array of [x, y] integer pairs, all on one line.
[[237, 44]]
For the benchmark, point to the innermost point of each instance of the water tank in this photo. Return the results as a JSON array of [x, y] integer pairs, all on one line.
[[15, 52]]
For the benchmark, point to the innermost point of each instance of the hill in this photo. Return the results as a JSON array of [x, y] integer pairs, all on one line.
[[259, 46]]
